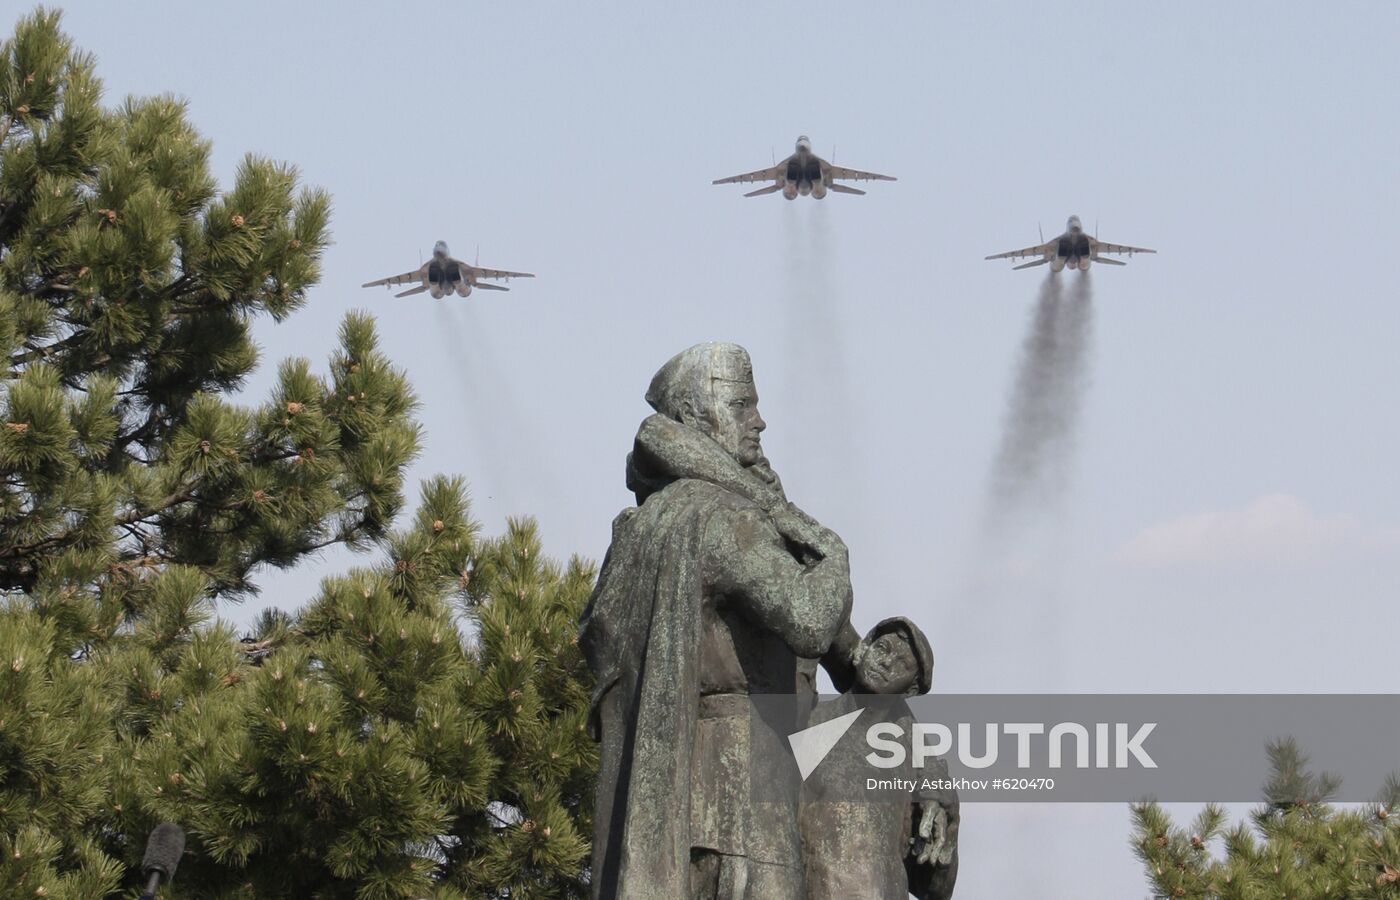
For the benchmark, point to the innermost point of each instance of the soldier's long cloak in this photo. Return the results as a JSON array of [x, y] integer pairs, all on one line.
[[641, 636]]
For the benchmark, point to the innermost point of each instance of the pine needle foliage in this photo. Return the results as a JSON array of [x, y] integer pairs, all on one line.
[[1295, 846], [416, 729]]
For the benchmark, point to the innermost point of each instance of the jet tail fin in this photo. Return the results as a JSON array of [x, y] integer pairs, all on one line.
[[417, 290], [1104, 260], [766, 190], [1038, 262], [844, 189], [483, 286]]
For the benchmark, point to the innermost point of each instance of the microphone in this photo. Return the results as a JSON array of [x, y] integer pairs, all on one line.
[[163, 850]]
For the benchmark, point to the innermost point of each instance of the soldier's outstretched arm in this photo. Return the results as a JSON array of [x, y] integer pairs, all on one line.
[[748, 561]]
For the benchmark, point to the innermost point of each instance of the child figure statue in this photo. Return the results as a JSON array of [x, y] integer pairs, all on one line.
[[861, 844]]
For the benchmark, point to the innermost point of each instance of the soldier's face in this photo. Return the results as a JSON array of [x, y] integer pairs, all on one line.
[[736, 423], [889, 665]]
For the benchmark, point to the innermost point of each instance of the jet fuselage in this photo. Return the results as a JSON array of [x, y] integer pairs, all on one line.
[[1072, 249], [803, 175], [443, 276]]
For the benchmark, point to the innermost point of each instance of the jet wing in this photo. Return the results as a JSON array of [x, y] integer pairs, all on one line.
[[1038, 250], [772, 173], [405, 278], [476, 272], [857, 175], [1099, 246]]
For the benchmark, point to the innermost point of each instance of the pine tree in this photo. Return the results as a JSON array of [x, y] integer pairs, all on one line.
[[418, 729], [1296, 844], [528, 686], [128, 285]]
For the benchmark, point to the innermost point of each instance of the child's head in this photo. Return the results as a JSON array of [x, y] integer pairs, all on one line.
[[895, 659]]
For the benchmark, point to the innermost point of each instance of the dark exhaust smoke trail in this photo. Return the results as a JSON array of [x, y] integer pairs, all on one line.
[[484, 460], [1015, 583], [814, 350], [817, 377], [1034, 461], [491, 418]]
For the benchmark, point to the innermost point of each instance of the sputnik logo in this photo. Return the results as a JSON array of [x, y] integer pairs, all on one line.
[[811, 745]]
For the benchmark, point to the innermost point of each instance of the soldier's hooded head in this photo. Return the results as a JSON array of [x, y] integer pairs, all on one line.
[[710, 388]]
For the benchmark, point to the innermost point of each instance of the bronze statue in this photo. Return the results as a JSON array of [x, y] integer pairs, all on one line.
[[714, 588]]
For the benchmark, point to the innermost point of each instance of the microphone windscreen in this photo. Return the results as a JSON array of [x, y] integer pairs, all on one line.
[[163, 850]]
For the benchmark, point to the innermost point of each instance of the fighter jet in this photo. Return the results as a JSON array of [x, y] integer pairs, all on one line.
[[804, 173], [1074, 249], [443, 275]]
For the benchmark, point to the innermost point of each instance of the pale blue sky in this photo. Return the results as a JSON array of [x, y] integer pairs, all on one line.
[[1255, 145]]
